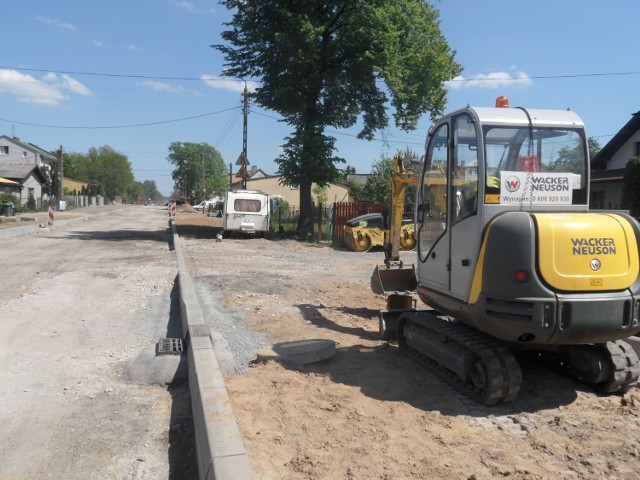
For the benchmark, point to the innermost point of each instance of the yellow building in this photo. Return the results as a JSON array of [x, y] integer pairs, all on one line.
[[73, 186], [336, 192]]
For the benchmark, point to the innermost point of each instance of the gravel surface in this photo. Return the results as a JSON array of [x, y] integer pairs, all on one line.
[[79, 304]]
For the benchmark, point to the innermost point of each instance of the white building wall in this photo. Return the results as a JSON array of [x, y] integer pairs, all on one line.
[[624, 154], [31, 182]]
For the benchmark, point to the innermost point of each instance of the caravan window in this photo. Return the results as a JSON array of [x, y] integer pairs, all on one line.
[[246, 205]]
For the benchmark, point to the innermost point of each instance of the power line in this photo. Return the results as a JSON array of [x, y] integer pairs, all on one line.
[[460, 80], [103, 127], [102, 74]]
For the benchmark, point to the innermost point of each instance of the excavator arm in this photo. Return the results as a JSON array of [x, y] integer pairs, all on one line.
[[400, 178]]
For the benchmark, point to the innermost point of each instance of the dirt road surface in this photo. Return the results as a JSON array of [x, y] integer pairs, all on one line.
[[78, 304], [369, 412]]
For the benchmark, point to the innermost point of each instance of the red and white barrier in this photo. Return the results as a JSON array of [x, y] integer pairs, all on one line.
[[51, 217], [173, 210]]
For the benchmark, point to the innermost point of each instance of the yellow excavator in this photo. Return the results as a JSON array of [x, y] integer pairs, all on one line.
[[510, 259]]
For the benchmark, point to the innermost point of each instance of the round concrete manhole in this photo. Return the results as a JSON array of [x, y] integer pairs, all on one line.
[[303, 352]]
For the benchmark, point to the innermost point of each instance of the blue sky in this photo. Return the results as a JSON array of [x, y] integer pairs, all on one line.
[[139, 74]]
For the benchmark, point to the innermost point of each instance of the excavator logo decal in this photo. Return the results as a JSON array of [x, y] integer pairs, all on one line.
[[512, 184], [595, 265]]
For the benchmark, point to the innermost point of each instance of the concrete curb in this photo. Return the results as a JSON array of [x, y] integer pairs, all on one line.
[[27, 229], [19, 231], [220, 450]]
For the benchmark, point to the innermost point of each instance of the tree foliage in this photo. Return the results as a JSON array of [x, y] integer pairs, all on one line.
[[631, 187], [332, 63], [594, 147], [377, 188], [199, 171], [150, 191], [107, 172]]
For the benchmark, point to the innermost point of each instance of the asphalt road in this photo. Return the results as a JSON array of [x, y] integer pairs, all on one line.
[[78, 304]]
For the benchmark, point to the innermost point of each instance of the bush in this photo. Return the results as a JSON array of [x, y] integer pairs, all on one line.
[[7, 197]]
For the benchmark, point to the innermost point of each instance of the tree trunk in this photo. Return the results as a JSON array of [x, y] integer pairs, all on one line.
[[305, 221]]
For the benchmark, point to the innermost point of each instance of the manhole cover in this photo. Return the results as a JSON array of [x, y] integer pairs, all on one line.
[[170, 346], [304, 352]]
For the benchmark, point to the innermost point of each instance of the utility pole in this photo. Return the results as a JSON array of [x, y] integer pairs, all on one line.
[[204, 182], [61, 170], [243, 160]]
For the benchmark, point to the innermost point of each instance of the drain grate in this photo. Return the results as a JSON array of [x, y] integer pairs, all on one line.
[[170, 346]]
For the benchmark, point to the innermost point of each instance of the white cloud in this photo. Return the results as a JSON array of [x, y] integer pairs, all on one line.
[[225, 83], [48, 91], [98, 43], [162, 87], [134, 48], [59, 24], [190, 8], [492, 80], [74, 86]]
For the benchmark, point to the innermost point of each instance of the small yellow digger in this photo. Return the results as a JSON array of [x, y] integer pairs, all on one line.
[[509, 259]]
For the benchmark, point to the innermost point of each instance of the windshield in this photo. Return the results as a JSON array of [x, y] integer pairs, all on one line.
[[541, 166]]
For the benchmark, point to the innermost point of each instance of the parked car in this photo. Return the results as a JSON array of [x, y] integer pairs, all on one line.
[[203, 205]]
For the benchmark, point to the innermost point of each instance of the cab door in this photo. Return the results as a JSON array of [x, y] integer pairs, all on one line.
[[447, 213]]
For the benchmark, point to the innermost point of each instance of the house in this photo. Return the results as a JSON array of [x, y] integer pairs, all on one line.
[[13, 150], [336, 192], [29, 178], [608, 166], [74, 187]]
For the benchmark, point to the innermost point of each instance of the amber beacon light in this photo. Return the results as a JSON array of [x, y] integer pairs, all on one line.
[[502, 102]]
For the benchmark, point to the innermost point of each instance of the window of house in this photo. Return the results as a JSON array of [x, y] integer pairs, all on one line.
[[636, 149], [4, 149], [598, 199], [24, 154]]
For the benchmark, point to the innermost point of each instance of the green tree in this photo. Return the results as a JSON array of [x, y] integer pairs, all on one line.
[[107, 172], [151, 191], [320, 194], [594, 147], [631, 187], [200, 170], [135, 192], [377, 188], [114, 174], [326, 64]]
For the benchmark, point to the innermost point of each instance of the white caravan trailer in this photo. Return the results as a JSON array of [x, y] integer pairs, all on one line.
[[246, 211]]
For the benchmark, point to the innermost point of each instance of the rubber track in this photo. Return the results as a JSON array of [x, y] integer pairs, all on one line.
[[504, 373], [626, 367]]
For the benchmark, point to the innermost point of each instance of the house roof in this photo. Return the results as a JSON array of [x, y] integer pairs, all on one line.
[[618, 140], [29, 146], [20, 171]]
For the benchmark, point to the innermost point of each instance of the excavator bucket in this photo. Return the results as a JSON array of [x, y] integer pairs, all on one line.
[[388, 280]]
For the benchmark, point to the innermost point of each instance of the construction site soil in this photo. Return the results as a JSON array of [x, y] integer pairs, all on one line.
[[369, 412]]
